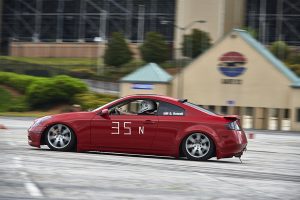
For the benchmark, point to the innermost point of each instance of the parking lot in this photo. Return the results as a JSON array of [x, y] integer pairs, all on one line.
[[270, 170]]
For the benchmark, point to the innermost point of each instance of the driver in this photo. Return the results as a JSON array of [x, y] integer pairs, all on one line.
[[148, 107]]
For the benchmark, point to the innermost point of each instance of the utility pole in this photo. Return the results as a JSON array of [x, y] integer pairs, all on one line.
[[101, 41], [141, 24], [279, 20], [262, 21]]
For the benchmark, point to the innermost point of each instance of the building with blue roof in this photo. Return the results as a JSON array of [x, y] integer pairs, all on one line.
[[150, 78]]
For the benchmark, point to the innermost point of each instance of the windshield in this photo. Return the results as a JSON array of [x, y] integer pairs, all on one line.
[[200, 108], [105, 105]]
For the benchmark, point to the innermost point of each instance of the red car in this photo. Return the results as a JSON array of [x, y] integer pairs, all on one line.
[[143, 124]]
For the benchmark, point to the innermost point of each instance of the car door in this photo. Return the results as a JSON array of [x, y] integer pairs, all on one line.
[[172, 121], [124, 131]]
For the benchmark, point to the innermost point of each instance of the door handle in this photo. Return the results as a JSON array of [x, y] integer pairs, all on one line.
[[149, 122]]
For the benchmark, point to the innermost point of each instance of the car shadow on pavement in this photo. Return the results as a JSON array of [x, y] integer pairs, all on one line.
[[213, 160]]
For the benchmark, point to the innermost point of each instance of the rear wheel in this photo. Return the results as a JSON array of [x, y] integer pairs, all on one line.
[[60, 137], [198, 146]]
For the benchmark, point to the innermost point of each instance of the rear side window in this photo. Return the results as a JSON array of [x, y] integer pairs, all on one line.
[[167, 109]]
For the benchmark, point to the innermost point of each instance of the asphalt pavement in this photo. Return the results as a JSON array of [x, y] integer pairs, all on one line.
[[270, 170]]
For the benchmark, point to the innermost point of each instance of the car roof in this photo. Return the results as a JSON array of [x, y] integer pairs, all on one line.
[[157, 96]]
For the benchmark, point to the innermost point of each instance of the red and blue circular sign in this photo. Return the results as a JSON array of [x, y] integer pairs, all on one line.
[[232, 64]]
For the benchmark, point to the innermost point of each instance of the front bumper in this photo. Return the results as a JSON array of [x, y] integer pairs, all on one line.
[[34, 136]]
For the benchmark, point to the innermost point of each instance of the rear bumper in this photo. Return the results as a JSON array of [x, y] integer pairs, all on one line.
[[34, 136], [234, 144]]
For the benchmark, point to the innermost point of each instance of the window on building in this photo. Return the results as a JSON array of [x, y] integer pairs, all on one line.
[[211, 108], [286, 114], [298, 114], [249, 111], [224, 109], [274, 112], [167, 109]]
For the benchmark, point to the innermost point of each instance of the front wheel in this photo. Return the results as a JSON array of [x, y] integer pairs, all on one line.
[[198, 146], [60, 137]]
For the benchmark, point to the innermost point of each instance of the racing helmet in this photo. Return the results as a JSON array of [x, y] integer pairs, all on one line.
[[147, 105]]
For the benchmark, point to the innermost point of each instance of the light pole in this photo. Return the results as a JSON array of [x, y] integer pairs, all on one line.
[[100, 65], [180, 76], [182, 30], [101, 41]]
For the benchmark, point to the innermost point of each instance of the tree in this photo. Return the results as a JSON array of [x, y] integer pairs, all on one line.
[[117, 52], [195, 43], [251, 31], [155, 49], [280, 49]]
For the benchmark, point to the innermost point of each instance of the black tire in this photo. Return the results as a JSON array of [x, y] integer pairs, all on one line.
[[60, 137], [198, 146]]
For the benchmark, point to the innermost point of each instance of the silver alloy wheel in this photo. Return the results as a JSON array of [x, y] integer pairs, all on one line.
[[59, 136], [197, 145]]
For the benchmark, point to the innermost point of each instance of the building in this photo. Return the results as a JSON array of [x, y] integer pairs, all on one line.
[[61, 28], [38, 25], [238, 75], [39, 22], [218, 17], [148, 79], [274, 20]]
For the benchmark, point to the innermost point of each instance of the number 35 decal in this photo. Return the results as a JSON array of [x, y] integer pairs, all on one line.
[[126, 126]]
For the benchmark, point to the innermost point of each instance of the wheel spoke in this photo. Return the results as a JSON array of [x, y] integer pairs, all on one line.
[[204, 141], [200, 152], [194, 151], [191, 139], [66, 138], [51, 137], [59, 126], [65, 132], [205, 147], [190, 146], [62, 143], [55, 142]]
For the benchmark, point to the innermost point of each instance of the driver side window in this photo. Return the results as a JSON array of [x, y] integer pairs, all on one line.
[[135, 107]]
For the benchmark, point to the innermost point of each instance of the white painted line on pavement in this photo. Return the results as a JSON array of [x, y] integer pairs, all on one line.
[[33, 189], [18, 162], [11, 144]]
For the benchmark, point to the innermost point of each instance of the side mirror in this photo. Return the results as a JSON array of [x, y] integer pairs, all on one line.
[[104, 112]]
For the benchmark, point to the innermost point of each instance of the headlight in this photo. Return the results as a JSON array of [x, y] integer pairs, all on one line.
[[40, 121], [233, 126]]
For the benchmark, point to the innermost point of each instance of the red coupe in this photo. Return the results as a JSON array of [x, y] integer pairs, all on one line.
[[143, 124]]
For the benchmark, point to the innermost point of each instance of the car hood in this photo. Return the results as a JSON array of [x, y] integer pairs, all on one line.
[[72, 116]]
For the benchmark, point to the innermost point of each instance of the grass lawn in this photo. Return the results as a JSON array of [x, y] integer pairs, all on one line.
[[36, 114]]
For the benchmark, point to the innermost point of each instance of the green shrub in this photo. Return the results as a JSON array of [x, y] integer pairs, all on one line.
[[117, 52], [60, 89], [18, 81], [155, 49], [280, 49], [90, 100], [8, 102], [19, 105]]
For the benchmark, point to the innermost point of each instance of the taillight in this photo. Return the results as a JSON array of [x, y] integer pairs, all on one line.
[[233, 126]]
